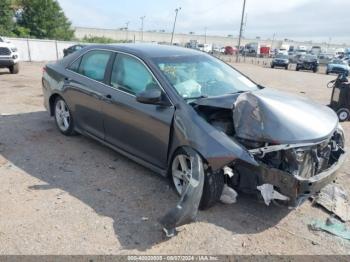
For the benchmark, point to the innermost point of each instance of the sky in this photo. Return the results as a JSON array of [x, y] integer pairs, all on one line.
[[316, 20]]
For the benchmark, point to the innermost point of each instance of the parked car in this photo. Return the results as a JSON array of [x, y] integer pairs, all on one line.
[[325, 58], [338, 66], [72, 49], [280, 61], [307, 62], [9, 56], [192, 117], [229, 50]]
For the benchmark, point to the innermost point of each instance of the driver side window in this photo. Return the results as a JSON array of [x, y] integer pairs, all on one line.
[[131, 76]]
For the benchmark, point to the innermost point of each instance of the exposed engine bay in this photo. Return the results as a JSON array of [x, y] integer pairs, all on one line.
[[273, 141]]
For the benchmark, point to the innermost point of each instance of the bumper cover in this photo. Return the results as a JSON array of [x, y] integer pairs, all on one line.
[[5, 62], [297, 188]]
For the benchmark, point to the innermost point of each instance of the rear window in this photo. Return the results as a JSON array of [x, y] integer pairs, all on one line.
[[92, 65]]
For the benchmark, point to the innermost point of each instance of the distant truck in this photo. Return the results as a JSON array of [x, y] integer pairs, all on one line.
[[208, 48], [9, 57], [316, 50]]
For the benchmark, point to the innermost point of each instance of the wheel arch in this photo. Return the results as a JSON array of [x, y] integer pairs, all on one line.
[[52, 100]]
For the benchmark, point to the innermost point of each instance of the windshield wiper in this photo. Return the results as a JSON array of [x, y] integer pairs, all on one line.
[[195, 97]]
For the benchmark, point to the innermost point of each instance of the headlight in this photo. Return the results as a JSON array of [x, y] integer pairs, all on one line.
[[14, 49]]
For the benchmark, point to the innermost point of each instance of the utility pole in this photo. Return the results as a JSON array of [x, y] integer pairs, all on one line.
[[329, 43], [127, 30], [240, 30], [142, 18], [273, 40], [205, 35], [172, 35]]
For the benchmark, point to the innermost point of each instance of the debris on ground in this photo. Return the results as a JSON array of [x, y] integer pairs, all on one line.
[[333, 198], [228, 196], [332, 226], [269, 193], [144, 218], [187, 208]]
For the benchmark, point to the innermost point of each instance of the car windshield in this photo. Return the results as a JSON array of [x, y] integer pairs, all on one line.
[[338, 62], [202, 76], [282, 56]]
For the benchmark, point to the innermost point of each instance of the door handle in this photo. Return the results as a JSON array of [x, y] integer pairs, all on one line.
[[108, 97]]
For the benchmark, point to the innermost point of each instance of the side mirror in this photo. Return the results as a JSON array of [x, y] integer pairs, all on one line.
[[150, 96]]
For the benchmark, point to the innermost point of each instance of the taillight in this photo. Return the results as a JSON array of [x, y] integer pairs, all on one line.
[[44, 69]]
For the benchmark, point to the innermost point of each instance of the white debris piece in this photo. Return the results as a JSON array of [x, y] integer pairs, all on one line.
[[228, 196], [228, 171], [268, 193]]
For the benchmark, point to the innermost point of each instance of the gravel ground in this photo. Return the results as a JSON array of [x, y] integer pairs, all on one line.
[[62, 195]]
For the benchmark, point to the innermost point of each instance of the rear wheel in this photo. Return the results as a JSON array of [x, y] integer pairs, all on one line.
[[297, 68], [286, 67], [63, 117], [272, 65], [181, 173], [343, 114], [14, 69]]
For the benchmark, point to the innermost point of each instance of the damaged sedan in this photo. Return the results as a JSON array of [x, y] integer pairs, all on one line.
[[197, 120]]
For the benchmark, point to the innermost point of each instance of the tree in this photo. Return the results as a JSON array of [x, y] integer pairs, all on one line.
[[44, 19], [6, 17]]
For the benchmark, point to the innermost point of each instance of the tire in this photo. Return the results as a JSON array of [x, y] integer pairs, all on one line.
[[14, 69], [297, 68], [61, 111], [286, 67], [327, 73], [272, 66], [343, 114], [213, 182], [315, 70]]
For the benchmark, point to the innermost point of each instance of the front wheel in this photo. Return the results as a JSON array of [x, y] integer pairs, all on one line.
[[181, 172], [63, 117], [343, 114], [14, 69]]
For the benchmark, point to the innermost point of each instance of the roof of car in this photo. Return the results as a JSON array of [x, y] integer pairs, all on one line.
[[149, 50]]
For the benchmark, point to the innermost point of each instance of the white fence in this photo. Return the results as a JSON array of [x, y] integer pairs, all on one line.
[[40, 50]]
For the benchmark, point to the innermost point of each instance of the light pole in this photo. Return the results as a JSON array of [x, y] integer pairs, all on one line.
[[127, 30], [205, 35], [142, 18], [240, 30], [172, 35]]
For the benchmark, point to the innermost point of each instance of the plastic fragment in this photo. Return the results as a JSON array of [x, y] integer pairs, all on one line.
[[228, 196], [268, 193], [331, 226], [187, 208]]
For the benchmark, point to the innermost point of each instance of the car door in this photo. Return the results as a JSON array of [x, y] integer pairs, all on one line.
[[142, 130], [85, 85]]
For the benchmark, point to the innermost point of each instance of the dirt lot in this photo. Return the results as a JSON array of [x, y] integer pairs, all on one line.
[[62, 195]]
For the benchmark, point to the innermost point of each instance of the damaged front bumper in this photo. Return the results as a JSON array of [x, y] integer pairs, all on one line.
[[297, 188]]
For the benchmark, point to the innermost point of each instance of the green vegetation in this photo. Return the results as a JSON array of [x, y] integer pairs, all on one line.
[[6, 17], [34, 18], [102, 40]]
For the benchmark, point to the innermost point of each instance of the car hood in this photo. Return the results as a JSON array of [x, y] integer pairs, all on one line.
[[276, 117], [6, 44]]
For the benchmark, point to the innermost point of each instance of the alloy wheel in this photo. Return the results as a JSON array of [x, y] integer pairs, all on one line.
[[62, 115], [181, 172]]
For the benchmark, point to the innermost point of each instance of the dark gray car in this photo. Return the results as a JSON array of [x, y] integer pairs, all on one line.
[[182, 113]]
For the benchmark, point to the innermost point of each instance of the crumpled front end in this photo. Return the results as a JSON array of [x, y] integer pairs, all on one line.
[[298, 144], [300, 170]]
